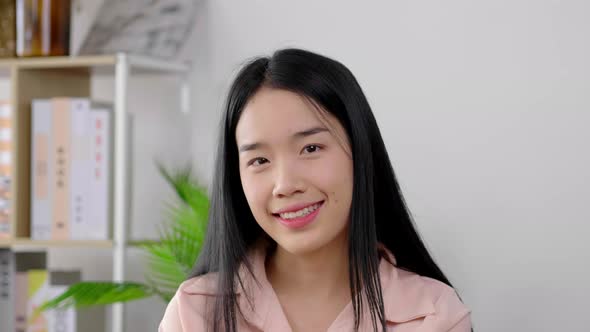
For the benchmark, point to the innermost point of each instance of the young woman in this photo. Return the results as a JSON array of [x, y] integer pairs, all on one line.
[[308, 228]]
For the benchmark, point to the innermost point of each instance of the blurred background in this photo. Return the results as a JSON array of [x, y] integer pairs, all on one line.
[[484, 108]]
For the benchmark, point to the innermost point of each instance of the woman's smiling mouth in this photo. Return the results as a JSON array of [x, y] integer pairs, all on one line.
[[298, 216]]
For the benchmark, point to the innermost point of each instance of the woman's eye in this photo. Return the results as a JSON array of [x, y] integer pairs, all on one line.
[[257, 161], [311, 148]]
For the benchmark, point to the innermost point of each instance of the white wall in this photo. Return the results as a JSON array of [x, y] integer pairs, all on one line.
[[484, 107]]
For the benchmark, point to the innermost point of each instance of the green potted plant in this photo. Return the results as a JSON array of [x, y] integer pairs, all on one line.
[[170, 259]]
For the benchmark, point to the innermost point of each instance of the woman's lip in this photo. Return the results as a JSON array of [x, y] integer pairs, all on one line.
[[300, 222], [296, 207]]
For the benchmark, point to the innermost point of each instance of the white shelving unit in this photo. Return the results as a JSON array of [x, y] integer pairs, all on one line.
[[71, 76]]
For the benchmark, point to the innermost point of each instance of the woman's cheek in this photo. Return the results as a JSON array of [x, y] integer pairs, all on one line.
[[247, 188], [254, 189]]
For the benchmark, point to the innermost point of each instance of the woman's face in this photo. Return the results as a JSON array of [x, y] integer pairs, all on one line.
[[296, 170]]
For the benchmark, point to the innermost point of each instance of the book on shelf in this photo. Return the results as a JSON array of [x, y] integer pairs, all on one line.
[[5, 168], [7, 28], [71, 169], [42, 27], [12, 266], [38, 290], [21, 293], [41, 169], [26, 283], [62, 111], [44, 285], [99, 210]]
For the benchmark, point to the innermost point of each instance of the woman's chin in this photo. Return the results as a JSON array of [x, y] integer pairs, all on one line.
[[298, 246]]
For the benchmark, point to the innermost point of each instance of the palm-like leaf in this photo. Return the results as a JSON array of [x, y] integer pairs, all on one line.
[[181, 238], [169, 260], [99, 293]]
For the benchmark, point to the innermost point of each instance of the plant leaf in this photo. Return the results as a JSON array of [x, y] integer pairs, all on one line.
[[181, 236], [85, 294]]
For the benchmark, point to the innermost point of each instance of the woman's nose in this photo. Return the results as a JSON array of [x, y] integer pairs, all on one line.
[[287, 181]]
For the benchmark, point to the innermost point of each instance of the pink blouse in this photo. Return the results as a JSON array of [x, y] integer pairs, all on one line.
[[412, 303]]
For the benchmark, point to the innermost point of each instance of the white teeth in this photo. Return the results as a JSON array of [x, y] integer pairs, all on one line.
[[300, 213]]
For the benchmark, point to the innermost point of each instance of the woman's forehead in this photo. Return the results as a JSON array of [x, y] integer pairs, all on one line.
[[275, 114], [276, 111]]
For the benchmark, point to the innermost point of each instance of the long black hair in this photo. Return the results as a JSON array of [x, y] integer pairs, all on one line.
[[378, 212]]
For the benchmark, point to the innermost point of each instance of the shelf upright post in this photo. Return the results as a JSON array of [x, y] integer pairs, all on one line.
[[121, 177], [185, 93]]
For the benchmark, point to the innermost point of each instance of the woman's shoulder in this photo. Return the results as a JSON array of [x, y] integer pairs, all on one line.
[[205, 284], [431, 288], [189, 308], [408, 297]]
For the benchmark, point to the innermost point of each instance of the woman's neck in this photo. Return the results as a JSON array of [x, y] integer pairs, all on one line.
[[323, 272]]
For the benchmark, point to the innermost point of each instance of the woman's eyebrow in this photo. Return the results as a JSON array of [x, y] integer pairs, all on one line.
[[309, 132], [250, 147], [297, 135]]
